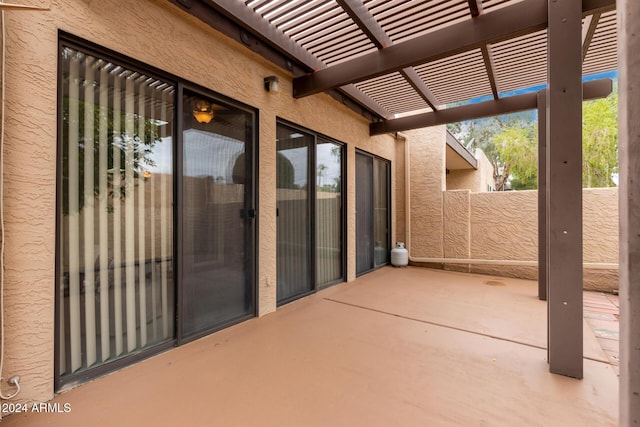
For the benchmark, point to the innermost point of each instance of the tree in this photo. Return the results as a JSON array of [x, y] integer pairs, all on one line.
[[600, 141], [480, 133], [510, 143], [517, 148]]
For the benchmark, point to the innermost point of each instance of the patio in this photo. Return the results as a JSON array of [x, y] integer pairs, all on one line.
[[402, 347]]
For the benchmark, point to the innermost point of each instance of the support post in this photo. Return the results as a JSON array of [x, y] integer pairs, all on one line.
[[564, 185], [542, 195], [629, 146]]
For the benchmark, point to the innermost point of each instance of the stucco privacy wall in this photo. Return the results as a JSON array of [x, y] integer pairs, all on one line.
[[161, 35], [457, 239], [503, 226], [427, 183]]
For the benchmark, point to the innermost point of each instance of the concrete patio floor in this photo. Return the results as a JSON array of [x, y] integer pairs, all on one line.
[[401, 347]]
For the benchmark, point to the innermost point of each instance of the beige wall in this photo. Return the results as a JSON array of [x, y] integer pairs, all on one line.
[[504, 226], [161, 35], [427, 183], [477, 180], [467, 222]]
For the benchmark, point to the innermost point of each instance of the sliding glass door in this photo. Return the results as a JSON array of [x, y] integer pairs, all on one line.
[[155, 228], [294, 188], [115, 213], [329, 213], [372, 212], [216, 227], [310, 209]]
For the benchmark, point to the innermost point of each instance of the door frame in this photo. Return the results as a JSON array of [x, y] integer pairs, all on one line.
[[375, 158], [251, 204]]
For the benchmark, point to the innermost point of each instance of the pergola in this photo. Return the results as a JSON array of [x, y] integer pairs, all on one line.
[[412, 64]]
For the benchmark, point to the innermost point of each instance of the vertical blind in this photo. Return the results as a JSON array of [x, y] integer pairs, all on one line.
[[115, 216]]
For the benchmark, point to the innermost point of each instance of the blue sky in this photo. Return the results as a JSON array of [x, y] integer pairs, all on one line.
[[609, 74]]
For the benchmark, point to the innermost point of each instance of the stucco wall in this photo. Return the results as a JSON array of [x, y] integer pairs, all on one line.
[[161, 35], [477, 180], [457, 227], [504, 226], [427, 183], [601, 242]]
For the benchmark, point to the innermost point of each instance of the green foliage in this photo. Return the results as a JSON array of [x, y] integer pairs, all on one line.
[[480, 133], [140, 147], [510, 143], [600, 141], [517, 148]]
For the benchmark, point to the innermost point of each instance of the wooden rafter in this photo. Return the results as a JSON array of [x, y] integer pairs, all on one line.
[[588, 32], [487, 56], [499, 25], [475, 6], [512, 104], [368, 24]]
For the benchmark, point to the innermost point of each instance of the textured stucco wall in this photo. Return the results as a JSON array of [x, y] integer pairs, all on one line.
[[161, 35], [503, 226], [457, 236], [427, 183], [477, 180], [600, 236], [399, 192]]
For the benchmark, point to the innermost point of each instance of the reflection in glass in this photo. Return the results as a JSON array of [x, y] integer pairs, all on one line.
[[364, 213], [380, 212], [328, 212], [215, 190], [115, 220], [372, 212], [294, 220]]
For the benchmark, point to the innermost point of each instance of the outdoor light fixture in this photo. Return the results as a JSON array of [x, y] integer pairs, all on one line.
[[203, 112], [271, 84]]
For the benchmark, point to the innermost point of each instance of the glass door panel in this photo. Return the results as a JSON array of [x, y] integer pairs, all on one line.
[[115, 217], [364, 218], [216, 230], [294, 266], [329, 226], [380, 212], [372, 212]]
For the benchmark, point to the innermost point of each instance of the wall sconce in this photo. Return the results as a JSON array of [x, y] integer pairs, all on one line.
[[271, 84], [203, 111]]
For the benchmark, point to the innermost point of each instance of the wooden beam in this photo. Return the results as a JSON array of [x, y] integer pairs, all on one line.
[[223, 14], [511, 104], [487, 56], [499, 25], [359, 13], [587, 36], [475, 6], [542, 196], [419, 86], [378, 36], [629, 196], [564, 188]]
